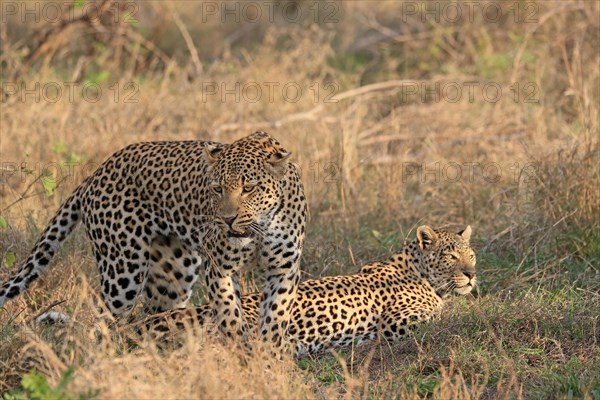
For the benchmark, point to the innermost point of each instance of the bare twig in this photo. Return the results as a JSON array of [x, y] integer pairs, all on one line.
[[384, 33], [46, 309], [498, 236], [240, 33], [188, 40], [136, 36], [530, 32], [543, 236], [23, 195]]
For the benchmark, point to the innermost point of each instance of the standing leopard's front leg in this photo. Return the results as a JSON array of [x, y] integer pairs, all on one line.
[[257, 204], [280, 256], [225, 261], [279, 297], [225, 297]]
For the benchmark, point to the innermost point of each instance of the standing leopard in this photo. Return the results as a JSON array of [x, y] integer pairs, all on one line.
[[223, 205], [385, 299]]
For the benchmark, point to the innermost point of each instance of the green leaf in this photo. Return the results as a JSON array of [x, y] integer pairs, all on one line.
[[304, 363], [59, 148], [3, 223], [9, 259], [36, 384], [49, 184], [73, 158], [97, 78], [102, 77], [14, 396], [79, 4]]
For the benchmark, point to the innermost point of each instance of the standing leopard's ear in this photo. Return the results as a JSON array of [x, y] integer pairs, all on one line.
[[279, 162], [466, 233], [212, 152], [426, 237], [261, 134]]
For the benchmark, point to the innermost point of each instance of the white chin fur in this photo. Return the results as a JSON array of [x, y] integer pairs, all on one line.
[[463, 289], [240, 241]]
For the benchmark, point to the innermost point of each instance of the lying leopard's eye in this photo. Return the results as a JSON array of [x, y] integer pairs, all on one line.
[[453, 257], [217, 188]]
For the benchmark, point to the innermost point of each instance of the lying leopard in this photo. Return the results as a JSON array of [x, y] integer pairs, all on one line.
[[223, 205], [385, 299]]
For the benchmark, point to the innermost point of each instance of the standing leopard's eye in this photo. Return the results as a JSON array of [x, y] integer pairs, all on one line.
[[453, 257], [249, 188]]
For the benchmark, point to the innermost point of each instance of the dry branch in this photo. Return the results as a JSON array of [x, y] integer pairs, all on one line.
[[188, 41], [54, 37], [313, 113]]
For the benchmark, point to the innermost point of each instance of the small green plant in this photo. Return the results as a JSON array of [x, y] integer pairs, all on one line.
[[10, 256], [327, 369], [35, 386], [48, 183], [9, 259]]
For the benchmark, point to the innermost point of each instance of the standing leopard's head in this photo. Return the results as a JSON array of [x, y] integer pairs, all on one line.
[[447, 260], [246, 181]]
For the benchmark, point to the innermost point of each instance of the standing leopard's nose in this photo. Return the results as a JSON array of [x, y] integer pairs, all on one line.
[[229, 220]]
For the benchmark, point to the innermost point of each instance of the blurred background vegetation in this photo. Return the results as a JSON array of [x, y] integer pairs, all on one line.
[[398, 113]]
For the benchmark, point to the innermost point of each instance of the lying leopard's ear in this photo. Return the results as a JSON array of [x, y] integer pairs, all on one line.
[[212, 152], [466, 233], [426, 237], [279, 162]]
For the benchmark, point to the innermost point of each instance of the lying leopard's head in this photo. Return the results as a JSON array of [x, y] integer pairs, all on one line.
[[447, 260]]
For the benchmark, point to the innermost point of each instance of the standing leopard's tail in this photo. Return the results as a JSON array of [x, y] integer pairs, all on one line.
[[61, 225]]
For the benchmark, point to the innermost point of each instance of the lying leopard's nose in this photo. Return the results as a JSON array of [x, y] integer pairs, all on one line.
[[469, 274]]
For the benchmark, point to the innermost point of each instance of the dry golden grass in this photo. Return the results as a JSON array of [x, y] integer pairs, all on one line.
[[375, 164]]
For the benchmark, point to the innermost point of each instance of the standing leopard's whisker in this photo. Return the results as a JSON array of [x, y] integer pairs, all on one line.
[[254, 227], [203, 226]]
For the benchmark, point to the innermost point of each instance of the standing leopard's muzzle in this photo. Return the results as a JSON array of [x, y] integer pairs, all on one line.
[[233, 226]]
